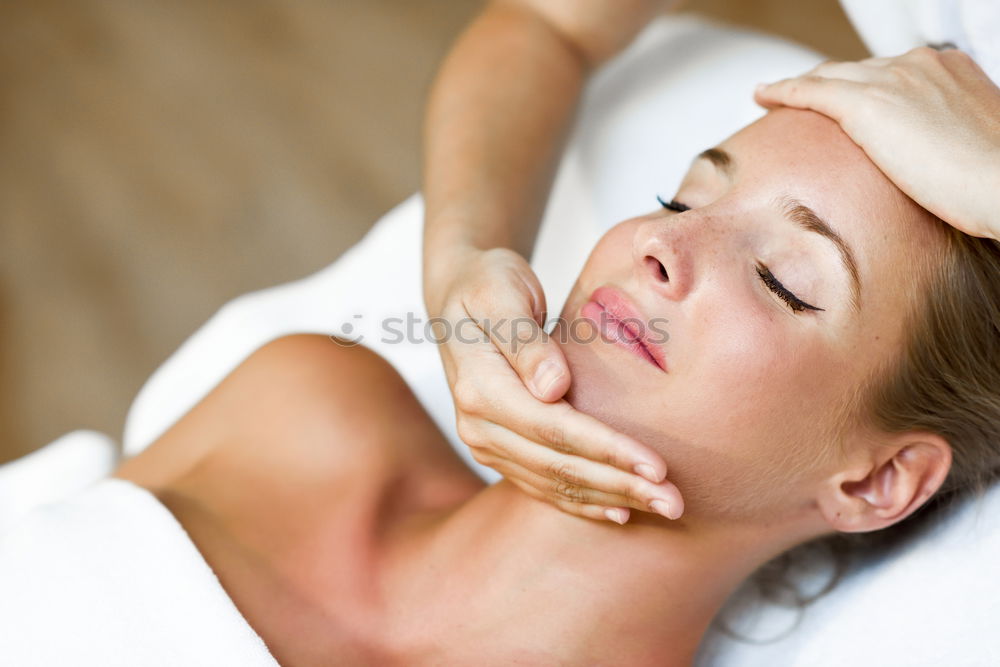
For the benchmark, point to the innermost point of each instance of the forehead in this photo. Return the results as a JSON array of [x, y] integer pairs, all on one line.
[[805, 155], [809, 152]]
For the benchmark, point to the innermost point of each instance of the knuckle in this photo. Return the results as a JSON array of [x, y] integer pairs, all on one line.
[[565, 472], [481, 457], [924, 53], [956, 56], [468, 398], [824, 66], [635, 493], [553, 435], [524, 333], [902, 71], [568, 491], [468, 432]]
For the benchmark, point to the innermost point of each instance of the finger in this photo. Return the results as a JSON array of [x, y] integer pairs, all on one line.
[[596, 482], [560, 490], [561, 427], [860, 72], [831, 97], [877, 62], [619, 515], [513, 320]]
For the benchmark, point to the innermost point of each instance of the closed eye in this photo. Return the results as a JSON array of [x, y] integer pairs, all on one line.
[[795, 303], [673, 205]]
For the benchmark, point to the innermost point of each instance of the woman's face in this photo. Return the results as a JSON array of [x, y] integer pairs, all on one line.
[[763, 308]]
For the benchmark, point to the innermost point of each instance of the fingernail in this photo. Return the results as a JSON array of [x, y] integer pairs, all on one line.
[[617, 515], [546, 375], [760, 88], [648, 471], [662, 507]]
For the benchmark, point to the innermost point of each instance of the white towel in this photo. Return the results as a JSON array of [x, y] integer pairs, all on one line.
[[110, 578], [61, 468], [933, 601]]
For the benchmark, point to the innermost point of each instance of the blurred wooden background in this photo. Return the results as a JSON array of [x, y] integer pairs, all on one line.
[[159, 158]]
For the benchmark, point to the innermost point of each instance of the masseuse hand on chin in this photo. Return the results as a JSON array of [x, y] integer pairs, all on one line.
[[508, 379], [929, 119]]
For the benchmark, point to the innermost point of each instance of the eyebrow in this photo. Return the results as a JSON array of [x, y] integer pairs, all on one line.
[[805, 218], [722, 160]]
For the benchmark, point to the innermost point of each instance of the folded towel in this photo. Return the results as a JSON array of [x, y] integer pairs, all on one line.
[[109, 577]]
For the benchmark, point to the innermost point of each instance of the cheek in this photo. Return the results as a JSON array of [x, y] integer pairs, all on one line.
[[743, 402], [750, 415], [766, 387], [611, 258]]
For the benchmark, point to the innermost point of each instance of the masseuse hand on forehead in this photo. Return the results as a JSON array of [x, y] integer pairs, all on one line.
[[930, 120]]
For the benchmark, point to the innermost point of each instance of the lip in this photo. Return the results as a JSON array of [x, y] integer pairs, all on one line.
[[620, 322]]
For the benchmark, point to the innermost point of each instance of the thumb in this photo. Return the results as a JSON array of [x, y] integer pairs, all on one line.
[[540, 362], [533, 354], [543, 369]]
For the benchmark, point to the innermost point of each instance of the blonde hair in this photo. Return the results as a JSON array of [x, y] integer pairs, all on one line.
[[945, 380]]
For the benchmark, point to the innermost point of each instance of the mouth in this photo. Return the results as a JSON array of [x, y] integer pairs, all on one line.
[[620, 323]]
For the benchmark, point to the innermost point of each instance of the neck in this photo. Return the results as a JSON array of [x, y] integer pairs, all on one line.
[[506, 573]]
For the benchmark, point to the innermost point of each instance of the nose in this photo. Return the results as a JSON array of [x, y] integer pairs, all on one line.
[[662, 252]]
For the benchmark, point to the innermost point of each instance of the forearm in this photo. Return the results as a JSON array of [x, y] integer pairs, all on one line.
[[496, 122]]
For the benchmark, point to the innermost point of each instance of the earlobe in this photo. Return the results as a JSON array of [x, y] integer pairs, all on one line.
[[889, 485]]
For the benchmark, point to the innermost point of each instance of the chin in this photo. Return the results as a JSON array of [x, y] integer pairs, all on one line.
[[610, 385], [606, 385]]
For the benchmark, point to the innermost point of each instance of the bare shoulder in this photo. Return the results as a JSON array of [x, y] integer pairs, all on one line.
[[289, 476], [302, 407]]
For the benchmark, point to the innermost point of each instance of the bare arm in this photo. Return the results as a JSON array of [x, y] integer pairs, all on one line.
[[496, 123], [498, 116]]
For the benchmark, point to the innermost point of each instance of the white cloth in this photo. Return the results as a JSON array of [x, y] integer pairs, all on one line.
[[935, 601], [892, 27], [59, 469], [109, 578]]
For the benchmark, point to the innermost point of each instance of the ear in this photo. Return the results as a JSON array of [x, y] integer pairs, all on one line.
[[887, 483]]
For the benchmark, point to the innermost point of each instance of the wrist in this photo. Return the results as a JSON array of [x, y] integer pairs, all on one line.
[[442, 264]]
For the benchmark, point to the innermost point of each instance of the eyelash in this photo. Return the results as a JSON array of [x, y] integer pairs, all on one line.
[[673, 205], [772, 283], [796, 304]]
